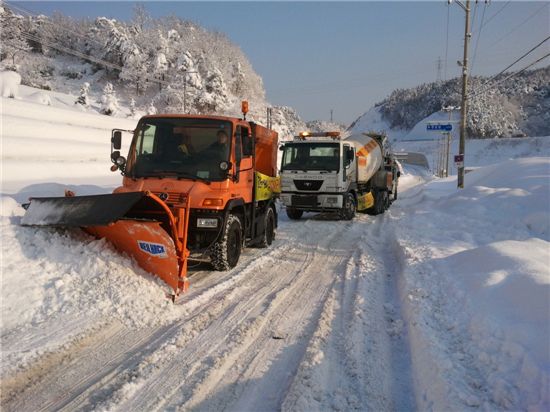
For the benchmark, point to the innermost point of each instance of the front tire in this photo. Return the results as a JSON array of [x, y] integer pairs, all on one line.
[[227, 250], [269, 229], [294, 214], [349, 208]]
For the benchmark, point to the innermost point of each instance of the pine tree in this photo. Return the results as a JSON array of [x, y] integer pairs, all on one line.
[[83, 99], [151, 109], [109, 101], [132, 108]]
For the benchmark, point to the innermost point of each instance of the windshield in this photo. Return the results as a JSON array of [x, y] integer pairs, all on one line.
[[311, 156], [186, 148]]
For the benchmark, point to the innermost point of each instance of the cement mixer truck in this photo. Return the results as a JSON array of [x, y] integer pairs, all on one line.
[[320, 172]]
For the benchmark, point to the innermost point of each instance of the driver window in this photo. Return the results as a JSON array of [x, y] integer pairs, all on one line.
[[349, 155], [238, 142], [246, 142], [147, 139]]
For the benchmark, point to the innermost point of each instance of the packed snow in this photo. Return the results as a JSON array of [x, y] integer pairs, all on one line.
[[442, 303]]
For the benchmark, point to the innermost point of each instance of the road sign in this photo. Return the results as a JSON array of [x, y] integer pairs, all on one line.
[[440, 127], [459, 160]]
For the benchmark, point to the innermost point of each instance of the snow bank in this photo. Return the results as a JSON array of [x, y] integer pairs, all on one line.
[[477, 287], [9, 83]]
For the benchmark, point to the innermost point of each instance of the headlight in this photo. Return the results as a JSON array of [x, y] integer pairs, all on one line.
[[332, 200], [207, 222]]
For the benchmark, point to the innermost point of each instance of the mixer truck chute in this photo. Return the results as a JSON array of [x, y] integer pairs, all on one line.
[[193, 186], [322, 173]]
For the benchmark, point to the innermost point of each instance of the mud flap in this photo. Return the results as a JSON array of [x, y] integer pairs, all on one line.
[[137, 223]]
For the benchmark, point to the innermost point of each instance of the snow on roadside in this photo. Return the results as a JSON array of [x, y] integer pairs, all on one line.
[[57, 143], [477, 288], [50, 278]]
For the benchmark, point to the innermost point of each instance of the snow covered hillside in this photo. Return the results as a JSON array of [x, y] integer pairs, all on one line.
[[518, 107], [143, 66], [441, 303]]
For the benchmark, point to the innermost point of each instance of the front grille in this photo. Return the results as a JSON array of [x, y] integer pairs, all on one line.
[[310, 201], [171, 197], [308, 184]]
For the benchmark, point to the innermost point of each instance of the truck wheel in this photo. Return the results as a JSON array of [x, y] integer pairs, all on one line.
[[294, 214], [348, 211], [380, 201], [269, 232], [226, 251]]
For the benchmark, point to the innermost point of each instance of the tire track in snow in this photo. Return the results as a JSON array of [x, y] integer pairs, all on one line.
[[358, 358], [245, 323], [91, 388]]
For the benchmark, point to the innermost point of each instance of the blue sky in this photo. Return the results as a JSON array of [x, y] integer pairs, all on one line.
[[345, 56]]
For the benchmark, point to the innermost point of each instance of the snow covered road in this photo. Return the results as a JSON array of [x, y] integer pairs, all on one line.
[[311, 323], [442, 303]]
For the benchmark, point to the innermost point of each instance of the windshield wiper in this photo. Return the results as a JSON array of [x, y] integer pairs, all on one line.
[[179, 175]]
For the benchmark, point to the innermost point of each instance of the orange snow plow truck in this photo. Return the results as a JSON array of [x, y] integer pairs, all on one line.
[[193, 186]]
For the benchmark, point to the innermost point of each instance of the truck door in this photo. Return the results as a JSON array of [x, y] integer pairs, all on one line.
[[348, 160], [243, 161]]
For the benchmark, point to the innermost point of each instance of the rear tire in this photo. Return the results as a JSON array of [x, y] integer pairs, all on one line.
[[294, 214], [226, 251], [269, 229], [380, 202]]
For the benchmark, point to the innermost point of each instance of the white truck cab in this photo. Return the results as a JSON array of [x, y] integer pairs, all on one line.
[[322, 173]]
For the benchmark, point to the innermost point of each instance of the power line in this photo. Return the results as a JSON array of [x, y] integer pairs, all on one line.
[[477, 38], [482, 89], [447, 43], [92, 59], [31, 13], [521, 24], [530, 51], [496, 14]]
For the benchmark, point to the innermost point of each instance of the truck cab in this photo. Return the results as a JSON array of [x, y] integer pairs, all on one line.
[[316, 174], [322, 173], [225, 167]]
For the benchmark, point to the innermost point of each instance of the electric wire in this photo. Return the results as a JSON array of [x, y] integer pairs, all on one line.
[[477, 39], [474, 16], [536, 13], [90, 58], [447, 43], [497, 13], [30, 13], [525, 55], [486, 87]]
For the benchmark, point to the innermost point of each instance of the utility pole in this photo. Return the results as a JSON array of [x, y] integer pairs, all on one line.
[[464, 107], [331, 115], [439, 67]]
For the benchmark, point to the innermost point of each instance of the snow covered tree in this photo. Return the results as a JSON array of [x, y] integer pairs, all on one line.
[[160, 68], [11, 36], [239, 80], [151, 109], [83, 98], [134, 70], [132, 108], [214, 96], [109, 101]]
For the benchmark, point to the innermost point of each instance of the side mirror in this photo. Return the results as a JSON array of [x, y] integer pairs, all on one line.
[[350, 154], [116, 139], [281, 148]]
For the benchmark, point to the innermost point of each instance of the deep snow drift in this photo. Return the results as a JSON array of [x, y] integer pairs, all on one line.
[[442, 303]]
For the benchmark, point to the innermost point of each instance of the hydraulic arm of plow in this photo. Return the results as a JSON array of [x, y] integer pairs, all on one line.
[[137, 223]]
